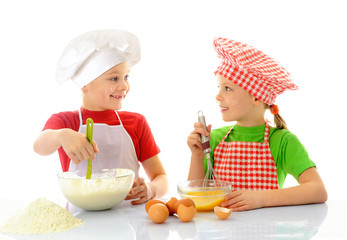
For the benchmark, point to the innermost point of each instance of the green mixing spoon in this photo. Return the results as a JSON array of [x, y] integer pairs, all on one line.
[[89, 134]]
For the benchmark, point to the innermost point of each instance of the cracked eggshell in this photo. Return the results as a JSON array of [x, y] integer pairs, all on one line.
[[186, 214], [222, 213]]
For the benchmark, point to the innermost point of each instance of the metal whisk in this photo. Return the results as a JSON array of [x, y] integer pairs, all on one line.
[[210, 177]]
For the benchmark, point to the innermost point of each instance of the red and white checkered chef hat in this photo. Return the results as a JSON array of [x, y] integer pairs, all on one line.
[[252, 70]]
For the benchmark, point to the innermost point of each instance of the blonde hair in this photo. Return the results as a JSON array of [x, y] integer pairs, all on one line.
[[278, 120]]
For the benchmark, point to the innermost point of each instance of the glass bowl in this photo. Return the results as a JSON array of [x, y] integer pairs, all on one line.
[[103, 191], [205, 197]]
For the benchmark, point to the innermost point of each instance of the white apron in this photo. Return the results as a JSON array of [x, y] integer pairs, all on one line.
[[116, 148]]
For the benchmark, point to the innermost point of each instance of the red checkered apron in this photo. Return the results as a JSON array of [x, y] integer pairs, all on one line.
[[247, 165]]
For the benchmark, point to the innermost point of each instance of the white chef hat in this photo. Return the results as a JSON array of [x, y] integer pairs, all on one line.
[[93, 53]]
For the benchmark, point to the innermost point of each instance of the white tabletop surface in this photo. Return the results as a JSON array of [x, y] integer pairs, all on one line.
[[315, 221]]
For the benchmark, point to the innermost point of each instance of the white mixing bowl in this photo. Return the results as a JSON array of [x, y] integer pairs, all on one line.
[[103, 191]]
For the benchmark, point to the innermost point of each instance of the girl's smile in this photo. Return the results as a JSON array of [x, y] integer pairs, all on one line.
[[223, 109]]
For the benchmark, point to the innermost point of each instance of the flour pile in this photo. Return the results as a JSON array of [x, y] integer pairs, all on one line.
[[41, 216]]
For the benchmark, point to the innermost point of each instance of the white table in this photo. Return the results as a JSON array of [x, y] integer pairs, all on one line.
[[316, 221]]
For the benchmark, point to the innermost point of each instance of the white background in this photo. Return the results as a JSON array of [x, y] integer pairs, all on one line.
[[175, 77]]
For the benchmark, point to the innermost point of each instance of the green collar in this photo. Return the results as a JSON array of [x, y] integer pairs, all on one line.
[[248, 131]]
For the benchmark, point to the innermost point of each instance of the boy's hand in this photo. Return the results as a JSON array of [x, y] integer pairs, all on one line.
[[140, 191], [194, 139], [77, 146]]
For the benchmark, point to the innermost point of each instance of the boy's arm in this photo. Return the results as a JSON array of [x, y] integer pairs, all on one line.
[[155, 171], [75, 144], [48, 142], [156, 188]]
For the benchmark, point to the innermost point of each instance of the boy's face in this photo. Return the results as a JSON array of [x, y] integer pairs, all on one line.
[[108, 90], [236, 104]]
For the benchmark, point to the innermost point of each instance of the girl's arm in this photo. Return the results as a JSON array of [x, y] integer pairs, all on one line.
[[156, 188], [196, 170], [310, 190]]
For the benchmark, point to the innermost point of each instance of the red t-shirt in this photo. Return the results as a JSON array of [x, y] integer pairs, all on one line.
[[134, 123]]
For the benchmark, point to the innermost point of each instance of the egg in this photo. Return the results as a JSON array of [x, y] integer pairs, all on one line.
[[171, 205], [158, 212], [222, 213], [186, 213], [186, 201], [151, 202]]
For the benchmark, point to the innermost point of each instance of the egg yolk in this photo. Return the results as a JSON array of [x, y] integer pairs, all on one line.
[[207, 200]]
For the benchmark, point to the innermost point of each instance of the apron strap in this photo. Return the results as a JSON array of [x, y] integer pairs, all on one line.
[[80, 116], [227, 134], [120, 121], [266, 134]]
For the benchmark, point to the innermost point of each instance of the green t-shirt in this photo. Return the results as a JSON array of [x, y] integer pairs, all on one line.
[[289, 154]]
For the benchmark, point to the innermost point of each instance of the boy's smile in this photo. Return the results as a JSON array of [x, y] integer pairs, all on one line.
[[118, 96]]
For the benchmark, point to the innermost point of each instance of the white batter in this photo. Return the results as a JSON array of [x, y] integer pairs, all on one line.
[[96, 193]]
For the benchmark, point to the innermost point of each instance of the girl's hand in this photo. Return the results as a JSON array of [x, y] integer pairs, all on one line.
[[194, 138], [77, 146], [243, 200], [140, 191]]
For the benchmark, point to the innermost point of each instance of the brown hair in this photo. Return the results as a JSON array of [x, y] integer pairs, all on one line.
[[279, 121]]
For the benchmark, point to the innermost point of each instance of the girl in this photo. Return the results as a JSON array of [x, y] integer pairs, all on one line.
[[251, 155], [99, 63]]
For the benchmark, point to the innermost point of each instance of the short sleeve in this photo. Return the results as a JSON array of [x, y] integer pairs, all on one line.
[[63, 120], [59, 121], [147, 145], [292, 155]]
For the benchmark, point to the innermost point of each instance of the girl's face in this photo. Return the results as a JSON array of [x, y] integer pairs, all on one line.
[[108, 90], [236, 104]]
